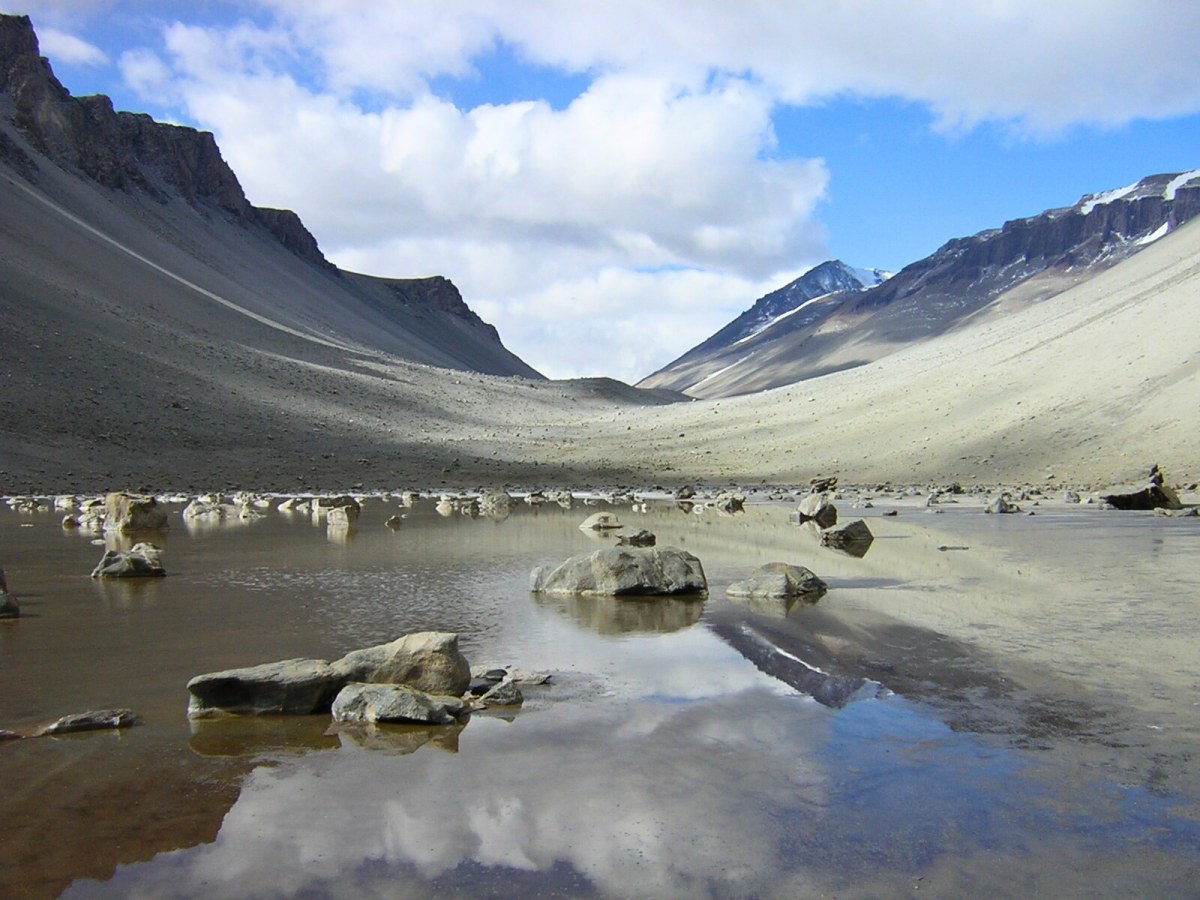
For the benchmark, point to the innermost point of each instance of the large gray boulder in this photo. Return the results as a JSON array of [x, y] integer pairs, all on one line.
[[1156, 494], [429, 661], [779, 581], [140, 561], [601, 521], [1002, 504], [623, 570], [130, 512], [293, 686], [370, 703]]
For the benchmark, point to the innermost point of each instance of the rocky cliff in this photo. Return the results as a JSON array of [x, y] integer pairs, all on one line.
[[125, 151]]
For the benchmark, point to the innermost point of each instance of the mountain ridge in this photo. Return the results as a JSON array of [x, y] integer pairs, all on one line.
[[1023, 261]]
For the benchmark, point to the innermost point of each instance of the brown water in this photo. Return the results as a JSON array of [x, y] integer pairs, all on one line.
[[1011, 719]]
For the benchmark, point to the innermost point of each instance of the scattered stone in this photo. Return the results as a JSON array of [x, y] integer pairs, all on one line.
[[93, 720], [130, 512], [204, 508], [292, 686], [1002, 504], [854, 538], [779, 581], [613, 571], [369, 703], [687, 492], [822, 485], [140, 561], [892, 512], [1071, 497], [429, 661], [601, 521], [945, 547], [639, 538], [817, 508]]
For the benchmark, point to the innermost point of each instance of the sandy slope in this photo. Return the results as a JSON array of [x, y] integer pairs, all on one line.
[[111, 377]]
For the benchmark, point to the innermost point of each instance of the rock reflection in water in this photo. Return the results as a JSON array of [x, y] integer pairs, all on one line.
[[246, 736], [625, 615]]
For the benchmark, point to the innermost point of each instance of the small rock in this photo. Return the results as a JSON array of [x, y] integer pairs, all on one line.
[[140, 561], [854, 538], [600, 521], [639, 538], [394, 522], [817, 508], [1002, 504]]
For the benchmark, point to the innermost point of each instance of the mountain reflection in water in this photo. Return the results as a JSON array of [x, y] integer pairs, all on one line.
[[677, 750]]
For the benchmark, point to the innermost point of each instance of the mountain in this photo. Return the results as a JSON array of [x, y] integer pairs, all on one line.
[[793, 307], [966, 281], [160, 198]]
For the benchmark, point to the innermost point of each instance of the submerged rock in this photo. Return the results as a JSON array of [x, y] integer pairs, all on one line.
[[429, 661], [292, 686], [506, 693], [779, 581], [93, 720], [639, 538], [623, 570], [140, 561], [369, 703]]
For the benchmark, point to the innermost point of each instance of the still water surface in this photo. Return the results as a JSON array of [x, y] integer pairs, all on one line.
[[1014, 718]]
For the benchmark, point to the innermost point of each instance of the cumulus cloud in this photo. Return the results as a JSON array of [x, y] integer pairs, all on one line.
[[70, 49], [573, 226]]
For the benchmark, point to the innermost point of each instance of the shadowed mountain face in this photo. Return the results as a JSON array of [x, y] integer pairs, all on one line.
[[153, 209], [966, 280]]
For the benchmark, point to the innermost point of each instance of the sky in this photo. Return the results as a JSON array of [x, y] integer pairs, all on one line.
[[610, 182]]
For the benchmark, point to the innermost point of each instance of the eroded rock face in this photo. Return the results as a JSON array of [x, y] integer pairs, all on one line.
[[140, 561], [429, 661], [369, 703], [623, 570], [779, 581], [293, 686]]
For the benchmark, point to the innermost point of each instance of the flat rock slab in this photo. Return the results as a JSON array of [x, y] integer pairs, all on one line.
[[369, 703], [93, 720], [615, 571], [293, 686]]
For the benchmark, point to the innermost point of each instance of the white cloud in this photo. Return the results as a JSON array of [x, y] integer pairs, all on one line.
[[70, 49], [575, 227]]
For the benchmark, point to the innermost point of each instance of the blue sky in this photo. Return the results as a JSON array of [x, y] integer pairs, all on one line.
[[610, 182]]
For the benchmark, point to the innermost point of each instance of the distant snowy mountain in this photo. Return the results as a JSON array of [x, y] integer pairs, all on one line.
[[798, 303], [793, 334]]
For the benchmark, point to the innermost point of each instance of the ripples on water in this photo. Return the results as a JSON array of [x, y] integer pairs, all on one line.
[[1034, 734]]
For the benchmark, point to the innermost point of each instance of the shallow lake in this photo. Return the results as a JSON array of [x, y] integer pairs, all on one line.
[[980, 705]]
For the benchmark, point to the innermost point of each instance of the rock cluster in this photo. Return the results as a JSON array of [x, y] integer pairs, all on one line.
[[427, 663]]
